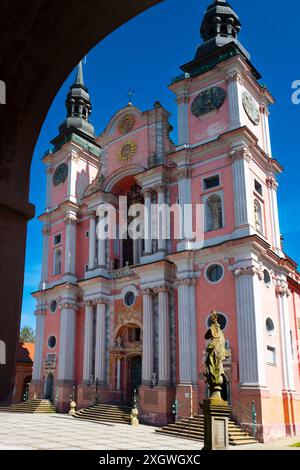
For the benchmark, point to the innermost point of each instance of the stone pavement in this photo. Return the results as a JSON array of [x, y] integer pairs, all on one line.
[[42, 432]]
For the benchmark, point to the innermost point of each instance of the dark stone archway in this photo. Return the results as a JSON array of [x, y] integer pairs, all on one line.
[[41, 42]]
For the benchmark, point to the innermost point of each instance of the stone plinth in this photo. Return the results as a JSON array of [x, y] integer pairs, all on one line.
[[155, 405], [216, 416]]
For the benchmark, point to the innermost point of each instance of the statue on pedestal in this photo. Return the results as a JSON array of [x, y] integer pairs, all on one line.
[[216, 355]]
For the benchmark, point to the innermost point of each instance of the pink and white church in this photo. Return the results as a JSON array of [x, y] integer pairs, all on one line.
[[117, 315]]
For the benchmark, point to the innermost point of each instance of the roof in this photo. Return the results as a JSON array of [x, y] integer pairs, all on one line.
[[25, 352]]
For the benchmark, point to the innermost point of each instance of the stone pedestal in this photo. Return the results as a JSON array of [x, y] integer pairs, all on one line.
[[216, 416], [155, 405], [65, 392]]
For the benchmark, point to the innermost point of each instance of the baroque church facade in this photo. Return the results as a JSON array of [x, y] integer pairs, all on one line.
[[114, 316]]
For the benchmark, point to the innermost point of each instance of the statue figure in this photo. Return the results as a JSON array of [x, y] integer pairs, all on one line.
[[216, 354]]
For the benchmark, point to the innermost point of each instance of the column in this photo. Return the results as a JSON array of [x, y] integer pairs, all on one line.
[[272, 189], [148, 219], [161, 219], [88, 341], [118, 383], [234, 81], [184, 193], [70, 243], [250, 326], [183, 121], [72, 174], [187, 332], [285, 339], [164, 345], [44, 274], [148, 339], [241, 182], [66, 362], [266, 129], [100, 350], [39, 343], [101, 255], [92, 239], [49, 173]]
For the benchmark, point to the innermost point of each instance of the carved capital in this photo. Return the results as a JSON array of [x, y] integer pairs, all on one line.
[[70, 218], [147, 192], [92, 214], [240, 153], [72, 157], [46, 230], [100, 300], [271, 182], [249, 271], [41, 310], [88, 303], [162, 289], [235, 77], [183, 282], [50, 170], [68, 304], [146, 291], [183, 173]]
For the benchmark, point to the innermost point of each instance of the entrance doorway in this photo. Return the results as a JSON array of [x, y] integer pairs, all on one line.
[[49, 387]]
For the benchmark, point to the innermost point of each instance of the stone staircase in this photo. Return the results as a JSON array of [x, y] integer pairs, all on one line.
[[30, 406], [105, 413], [193, 428]]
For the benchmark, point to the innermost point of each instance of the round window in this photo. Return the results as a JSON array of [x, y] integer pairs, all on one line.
[[51, 342], [214, 273], [270, 326], [267, 278], [53, 306], [129, 298], [221, 320]]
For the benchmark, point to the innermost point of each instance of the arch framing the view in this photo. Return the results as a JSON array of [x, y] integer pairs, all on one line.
[[52, 50]]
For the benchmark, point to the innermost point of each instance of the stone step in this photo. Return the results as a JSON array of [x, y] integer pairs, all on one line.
[[193, 428], [105, 413], [30, 406]]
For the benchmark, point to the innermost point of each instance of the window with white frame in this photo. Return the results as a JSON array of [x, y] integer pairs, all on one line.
[[213, 213], [271, 355], [258, 214], [57, 258]]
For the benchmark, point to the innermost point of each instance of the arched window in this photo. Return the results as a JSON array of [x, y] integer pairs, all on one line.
[[57, 262], [213, 212], [258, 216]]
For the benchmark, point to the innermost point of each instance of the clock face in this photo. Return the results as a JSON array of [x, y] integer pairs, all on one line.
[[251, 108], [127, 151], [60, 174], [208, 101]]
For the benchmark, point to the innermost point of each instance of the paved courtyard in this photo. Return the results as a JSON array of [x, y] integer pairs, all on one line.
[[20, 431]]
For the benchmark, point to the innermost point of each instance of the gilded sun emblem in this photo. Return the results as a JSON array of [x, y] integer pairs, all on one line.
[[127, 151], [126, 124]]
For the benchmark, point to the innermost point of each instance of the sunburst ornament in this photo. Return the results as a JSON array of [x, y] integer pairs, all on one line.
[[126, 124], [127, 151]]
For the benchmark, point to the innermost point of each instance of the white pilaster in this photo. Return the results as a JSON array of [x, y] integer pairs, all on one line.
[[49, 173], [70, 243], [72, 176], [183, 120], [147, 222], [39, 343], [184, 193], [285, 339], [164, 345], [44, 274], [241, 182], [66, 363], [266, 130], [88, 341], [161, 220], [250, 327], [272, 189], [100, 350], [148, 339], [235, 81], [118, 385], [187, 332], [92, 240]]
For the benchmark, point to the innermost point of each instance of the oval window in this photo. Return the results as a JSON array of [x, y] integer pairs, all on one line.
[[221, 320], [53, 306], [129, 298], [51, 342], [214, 273]]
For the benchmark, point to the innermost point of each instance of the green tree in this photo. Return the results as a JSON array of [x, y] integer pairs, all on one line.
[[27, 334]]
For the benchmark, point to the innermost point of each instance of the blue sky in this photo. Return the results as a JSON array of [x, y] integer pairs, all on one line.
[[144, 55]]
